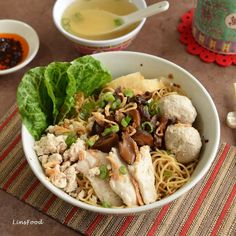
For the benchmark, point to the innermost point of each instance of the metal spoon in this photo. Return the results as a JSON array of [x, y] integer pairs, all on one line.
[[231, 116], [127, 20]]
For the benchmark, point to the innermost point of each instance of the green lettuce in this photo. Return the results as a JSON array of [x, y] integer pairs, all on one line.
[[35, 105], [89, 74], [61, 89], [45, 95]]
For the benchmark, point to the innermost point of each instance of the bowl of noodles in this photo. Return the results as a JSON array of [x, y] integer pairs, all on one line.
[[130, 133]]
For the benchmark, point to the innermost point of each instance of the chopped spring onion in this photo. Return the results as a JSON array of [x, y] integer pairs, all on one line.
[[65, 21], [147, 126], [87, 108], [108, 97], [78, 16], [70, 140], [128, 93], [66, 24], [90, 142], [118, 21], [101, 103], [106, 204], [116, 104], [123, 170], [125, 121], [154, 108], [103, 172], [109, 130]]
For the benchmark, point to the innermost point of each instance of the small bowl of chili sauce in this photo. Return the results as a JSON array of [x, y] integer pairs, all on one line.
[[19, 43]]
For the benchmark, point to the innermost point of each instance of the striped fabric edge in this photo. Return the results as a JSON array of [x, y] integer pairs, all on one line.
[[10, 147], [8, 116], [125, 225], [97, 219], [94, 224], [230, 227], [30, 190], [158, 220], [224, 211], [111, 225], [190, 199], [216, 197], [206, 188], [7, 165]]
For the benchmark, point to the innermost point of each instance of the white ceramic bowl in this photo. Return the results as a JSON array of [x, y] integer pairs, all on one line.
[[122, 63], [26, 32], [85, 46]]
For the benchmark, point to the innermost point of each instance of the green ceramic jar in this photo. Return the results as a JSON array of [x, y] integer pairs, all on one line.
[[214, 25]]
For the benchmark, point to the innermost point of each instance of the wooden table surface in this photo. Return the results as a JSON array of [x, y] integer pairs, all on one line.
[[159, 37]]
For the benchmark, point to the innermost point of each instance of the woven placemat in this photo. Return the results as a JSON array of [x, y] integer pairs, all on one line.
[[208, 209]]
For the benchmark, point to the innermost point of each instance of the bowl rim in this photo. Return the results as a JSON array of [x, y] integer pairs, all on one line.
[[100, 42], [157, 204], [29, 57]]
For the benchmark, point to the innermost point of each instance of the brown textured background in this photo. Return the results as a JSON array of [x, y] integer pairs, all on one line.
[[159, 37]]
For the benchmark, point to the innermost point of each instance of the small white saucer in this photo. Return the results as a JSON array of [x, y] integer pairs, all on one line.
[[9, 26]]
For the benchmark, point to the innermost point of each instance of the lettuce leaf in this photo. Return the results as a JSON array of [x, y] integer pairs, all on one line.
[[60, 88], [35, 105], [89, 74], [45, 95]]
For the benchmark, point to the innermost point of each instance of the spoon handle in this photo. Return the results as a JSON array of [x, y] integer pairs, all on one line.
[[146, 12]]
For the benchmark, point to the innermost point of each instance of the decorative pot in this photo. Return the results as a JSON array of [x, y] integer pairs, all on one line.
[[214, 25]]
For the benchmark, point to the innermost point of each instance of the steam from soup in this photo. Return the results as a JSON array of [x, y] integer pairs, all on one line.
[[85, 18]]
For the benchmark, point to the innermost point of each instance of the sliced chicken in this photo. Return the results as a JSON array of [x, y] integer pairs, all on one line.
[[89, 166], [121, 183], [91, 159], [143, 172], [104, 192]]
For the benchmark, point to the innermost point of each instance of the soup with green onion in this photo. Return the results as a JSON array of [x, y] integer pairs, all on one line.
[[89, 18]]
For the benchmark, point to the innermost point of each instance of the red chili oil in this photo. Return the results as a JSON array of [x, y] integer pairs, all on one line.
[[13, 50]]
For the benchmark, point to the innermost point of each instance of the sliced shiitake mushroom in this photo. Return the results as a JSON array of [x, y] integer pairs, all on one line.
[[97, 129], [144, 112], [136, 117], [142, 137], [158, 142], [127, 149], [105, 143]]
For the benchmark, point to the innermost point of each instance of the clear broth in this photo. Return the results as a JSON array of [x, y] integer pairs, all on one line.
[[85, 17]]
